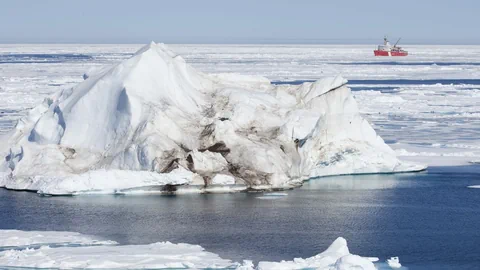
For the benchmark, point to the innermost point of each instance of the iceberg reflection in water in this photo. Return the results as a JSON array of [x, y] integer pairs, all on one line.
[[361, 182]]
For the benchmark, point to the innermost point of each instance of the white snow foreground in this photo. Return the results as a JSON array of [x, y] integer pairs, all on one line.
[[164, 255], [153, 123], [337, 256]]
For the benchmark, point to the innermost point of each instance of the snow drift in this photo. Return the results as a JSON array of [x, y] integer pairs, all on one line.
[[75, 252], [154, 123]]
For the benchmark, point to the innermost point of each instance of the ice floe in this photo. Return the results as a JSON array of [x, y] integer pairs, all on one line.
[[17, 238], [337, 256], [154, 122], [394, 262], [162, 255], [272, 195]]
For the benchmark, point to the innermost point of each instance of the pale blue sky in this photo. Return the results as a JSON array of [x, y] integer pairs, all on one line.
[[247, 21]]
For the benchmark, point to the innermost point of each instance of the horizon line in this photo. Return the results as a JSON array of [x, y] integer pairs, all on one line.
[[229, 43]]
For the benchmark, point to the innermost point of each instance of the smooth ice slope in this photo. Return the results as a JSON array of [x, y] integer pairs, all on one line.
[[154, 122], [164, 255]]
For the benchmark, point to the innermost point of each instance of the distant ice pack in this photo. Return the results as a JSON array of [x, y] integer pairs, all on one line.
[[154, 124]]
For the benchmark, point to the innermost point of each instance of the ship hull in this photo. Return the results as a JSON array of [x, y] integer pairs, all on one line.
[[389, 53]]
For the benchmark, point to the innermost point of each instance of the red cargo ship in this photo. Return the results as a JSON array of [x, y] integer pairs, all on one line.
[[388, 50]]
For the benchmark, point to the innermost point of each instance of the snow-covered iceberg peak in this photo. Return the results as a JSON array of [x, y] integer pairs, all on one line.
[[153, 122], [112, 107]]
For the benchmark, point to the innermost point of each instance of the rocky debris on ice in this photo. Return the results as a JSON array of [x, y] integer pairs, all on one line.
[[153, 121], [163, 255]]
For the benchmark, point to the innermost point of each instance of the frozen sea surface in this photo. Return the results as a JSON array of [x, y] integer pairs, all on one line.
[[424, 105]]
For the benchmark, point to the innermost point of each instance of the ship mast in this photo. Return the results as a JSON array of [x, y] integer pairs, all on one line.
[[397, 42]]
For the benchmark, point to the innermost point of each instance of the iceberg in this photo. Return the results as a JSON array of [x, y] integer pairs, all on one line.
[[162, 255], [152, 123]]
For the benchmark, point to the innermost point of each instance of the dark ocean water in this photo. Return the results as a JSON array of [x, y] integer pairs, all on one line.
[[431, 220]]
